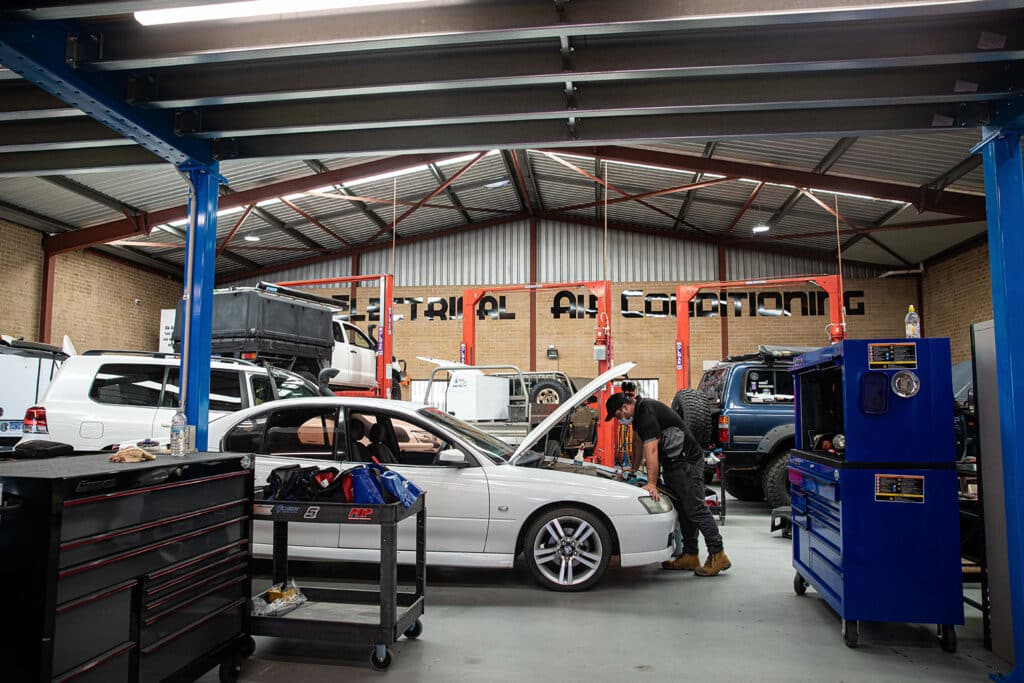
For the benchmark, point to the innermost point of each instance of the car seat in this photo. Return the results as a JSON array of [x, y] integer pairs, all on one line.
[[379, 448], [356, 431]]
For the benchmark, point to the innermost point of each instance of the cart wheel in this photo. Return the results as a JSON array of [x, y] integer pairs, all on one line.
[[799, 584], [229, 670], [380, 664], [947, 637], [414, 631], [247, 646], [851, 631]]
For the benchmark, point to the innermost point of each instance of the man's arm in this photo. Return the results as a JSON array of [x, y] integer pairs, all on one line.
[[651, 458]]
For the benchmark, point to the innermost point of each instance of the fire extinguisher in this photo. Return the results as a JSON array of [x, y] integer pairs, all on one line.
[[601, 344]]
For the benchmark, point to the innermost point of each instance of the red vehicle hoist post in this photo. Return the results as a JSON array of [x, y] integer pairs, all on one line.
[[385, 342], [604, 449], [832, 284]]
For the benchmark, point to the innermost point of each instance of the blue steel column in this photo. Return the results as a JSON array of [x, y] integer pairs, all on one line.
[[1004, 191], [205, 180]]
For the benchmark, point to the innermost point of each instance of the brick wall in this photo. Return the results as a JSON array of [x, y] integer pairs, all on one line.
[[94, 302], [957, 292], [647, 336], [21, 266]]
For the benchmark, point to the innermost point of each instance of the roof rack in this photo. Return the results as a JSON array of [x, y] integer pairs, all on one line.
[[770, 353], [162, 354]]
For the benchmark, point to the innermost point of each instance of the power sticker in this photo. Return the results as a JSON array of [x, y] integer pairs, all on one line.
[[899, 488], [901, 355]]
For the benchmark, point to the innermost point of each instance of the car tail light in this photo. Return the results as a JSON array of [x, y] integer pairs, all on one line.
[[249, 355], [35, 421], [723, 429]]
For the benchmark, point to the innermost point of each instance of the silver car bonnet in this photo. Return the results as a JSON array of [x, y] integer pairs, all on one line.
[[568, 406]]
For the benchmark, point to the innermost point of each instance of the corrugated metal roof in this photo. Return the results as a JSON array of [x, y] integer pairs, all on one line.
[[866, 250], [916, 159], [341, 267], [742, 264], [923, 243], [145, 189], [799, 153], [61, 205], [249, 173]]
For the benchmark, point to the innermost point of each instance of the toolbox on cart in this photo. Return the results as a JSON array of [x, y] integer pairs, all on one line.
[[873, 484], [377, 617]]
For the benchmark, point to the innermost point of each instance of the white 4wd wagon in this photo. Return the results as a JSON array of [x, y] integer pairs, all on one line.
[[102, 398]]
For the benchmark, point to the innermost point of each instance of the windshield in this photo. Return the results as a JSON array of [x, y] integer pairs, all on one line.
[[495, 450], [290, 385]]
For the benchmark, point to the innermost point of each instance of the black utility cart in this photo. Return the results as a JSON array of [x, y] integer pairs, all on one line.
[[342, 615]]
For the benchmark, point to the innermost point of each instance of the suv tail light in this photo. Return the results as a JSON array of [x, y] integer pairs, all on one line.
[[723, 429], [35, 421]]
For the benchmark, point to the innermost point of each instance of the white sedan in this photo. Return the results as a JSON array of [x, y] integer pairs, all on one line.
[[486, 502]]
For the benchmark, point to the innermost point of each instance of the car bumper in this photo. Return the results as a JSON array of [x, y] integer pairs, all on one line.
[[742, 460], [645, 540]]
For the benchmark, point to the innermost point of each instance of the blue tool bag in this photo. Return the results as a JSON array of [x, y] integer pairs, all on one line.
[[366, 488], [395, 485]]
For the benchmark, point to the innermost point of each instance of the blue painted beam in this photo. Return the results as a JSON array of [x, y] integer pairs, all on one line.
[[43, 53], [196, 360], [1004, 190]]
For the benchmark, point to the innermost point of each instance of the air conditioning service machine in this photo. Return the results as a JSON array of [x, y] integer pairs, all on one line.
[[873, 484]]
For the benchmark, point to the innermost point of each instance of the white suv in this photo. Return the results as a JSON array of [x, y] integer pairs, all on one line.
[[102, 398]]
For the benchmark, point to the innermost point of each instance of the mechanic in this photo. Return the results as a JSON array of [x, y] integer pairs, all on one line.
[[662, 441]]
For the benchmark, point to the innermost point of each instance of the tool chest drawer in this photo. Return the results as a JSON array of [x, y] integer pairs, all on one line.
[[162, 658], [112, 542], [189, 604], [113, 666], [125, 569], [98, 514], [91, 624], [80, 579]]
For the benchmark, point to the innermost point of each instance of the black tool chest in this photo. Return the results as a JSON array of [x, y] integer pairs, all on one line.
[[124, 571]]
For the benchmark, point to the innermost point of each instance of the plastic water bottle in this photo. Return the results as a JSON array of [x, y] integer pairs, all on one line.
[[179, 429], [912, 323]]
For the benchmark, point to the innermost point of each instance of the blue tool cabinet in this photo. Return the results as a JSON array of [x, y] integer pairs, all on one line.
[[873, 484]]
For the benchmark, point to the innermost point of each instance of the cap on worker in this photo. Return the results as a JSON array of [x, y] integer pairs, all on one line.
[[614, 402]]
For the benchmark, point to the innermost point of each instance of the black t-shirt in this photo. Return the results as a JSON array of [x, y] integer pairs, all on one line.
[[652, 417]]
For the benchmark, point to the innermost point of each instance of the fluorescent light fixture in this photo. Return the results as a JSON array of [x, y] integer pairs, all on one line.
[[252, 238], [253, 8], [498, 184], [761, 227]]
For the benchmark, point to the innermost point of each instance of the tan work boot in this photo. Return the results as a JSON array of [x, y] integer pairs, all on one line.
[[717, 562], [684, 561]]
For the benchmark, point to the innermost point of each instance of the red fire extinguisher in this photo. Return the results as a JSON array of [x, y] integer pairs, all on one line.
[[601, 344]]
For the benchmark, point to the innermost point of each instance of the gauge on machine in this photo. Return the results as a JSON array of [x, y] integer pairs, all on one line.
[[906, 384]]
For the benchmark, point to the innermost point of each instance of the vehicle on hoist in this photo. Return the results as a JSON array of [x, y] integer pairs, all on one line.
[[752, 421]]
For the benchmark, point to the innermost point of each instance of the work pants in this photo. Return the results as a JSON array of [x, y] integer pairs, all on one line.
[[686, 481]]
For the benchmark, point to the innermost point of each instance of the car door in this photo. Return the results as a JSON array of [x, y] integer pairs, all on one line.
[[458, 499], [227, 389], [289, 435], [364, 352], [123, 399]]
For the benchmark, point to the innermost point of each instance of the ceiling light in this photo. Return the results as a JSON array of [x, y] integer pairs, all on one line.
[[252, 238], [497, 184], [761, 228], [253, 8]]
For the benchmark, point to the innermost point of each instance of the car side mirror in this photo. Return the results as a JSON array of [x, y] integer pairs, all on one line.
[[453, 457]]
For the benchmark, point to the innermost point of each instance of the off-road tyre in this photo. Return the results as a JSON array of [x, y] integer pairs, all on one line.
[[548, 391], [744, 489], [775, 481], [693, 407]]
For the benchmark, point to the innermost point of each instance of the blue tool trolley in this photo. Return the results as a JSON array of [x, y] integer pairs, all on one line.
[[873, 484]]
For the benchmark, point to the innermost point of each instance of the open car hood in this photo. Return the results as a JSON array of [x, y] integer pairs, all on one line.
[[567, 406]]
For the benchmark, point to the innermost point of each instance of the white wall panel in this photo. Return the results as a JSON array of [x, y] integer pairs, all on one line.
[[491, 256], [568, 252], [742, 264]]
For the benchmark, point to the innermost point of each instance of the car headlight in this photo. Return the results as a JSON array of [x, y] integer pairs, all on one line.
[[839, 442], [655, 507]]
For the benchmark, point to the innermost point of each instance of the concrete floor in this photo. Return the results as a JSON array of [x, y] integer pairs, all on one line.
[[637, 624]]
